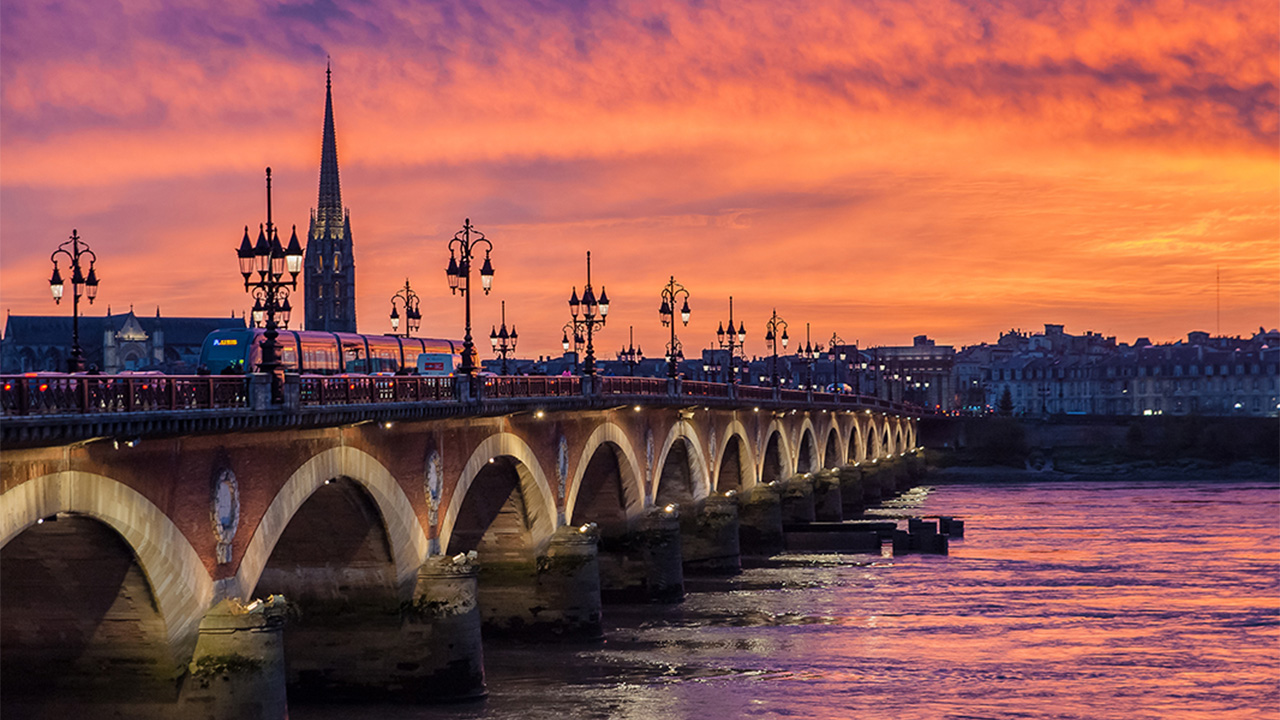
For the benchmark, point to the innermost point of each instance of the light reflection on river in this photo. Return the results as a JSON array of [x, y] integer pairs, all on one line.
[[1065, 600]]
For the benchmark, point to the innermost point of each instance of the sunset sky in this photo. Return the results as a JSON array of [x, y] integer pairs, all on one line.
[[879, 169]]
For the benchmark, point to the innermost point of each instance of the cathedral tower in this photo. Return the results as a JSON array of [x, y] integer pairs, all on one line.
[[330, 282]]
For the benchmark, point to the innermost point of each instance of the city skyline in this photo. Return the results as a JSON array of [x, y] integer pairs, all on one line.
[[956, 172]]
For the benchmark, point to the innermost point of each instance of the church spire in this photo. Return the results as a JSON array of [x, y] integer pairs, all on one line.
[[330, 190]]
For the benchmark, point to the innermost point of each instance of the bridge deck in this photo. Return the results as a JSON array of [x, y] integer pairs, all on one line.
[[47, 409]]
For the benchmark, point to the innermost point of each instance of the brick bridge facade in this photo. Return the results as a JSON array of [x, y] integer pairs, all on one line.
[[145, 571]]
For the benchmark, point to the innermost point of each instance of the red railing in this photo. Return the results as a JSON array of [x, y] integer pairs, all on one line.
[[699, 388], [793, 395], [633, 385], [62, 394], [754, 392], [360, 389], [521, 386]]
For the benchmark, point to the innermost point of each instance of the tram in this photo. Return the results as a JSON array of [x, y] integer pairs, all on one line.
[[329, 353]]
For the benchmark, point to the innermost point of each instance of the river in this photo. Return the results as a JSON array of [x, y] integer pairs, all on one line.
[[1087, 600]]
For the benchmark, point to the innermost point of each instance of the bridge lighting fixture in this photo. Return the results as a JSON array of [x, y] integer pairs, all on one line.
[[672, 293], [504, 342], [539, 414], [669, 509], [387, 425], [462, 251], [80, 286], [409, 300], [733, 342], [594, 314], [775, 332], [270, 260]]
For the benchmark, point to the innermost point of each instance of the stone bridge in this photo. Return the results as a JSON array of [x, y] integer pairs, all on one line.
[[145, 556]]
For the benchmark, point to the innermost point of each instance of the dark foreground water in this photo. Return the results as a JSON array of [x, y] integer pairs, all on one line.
[[1065, 600]]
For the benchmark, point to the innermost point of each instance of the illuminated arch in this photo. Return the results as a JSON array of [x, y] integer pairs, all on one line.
[[405, 536], [699, 473], [539, 501], [609, 433], [841, 447], [787, 457], [181, 586], [733, 429], [815, 455]]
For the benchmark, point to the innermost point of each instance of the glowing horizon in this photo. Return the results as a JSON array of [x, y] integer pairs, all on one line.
[[880, 171]]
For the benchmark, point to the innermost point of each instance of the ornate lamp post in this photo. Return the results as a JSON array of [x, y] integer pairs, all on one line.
[[576, 327], [80, 285], [504, 343], [462, 250], [810, 353], [270, 291], [838, 357], [775, 330], [732, 341], [671, 293], [594, 312], [408, 299], [631, 355]]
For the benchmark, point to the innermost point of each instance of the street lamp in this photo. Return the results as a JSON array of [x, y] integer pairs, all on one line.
[[270, 291], [594, 312], [459, 272], [775, 330], [576, 327], [837, 357], [672, 293], [504, 343], [412, 316], [631, 355], [810, 353], [80, 285], [732, 341]]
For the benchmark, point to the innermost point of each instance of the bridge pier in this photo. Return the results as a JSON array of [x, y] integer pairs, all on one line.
[[556, 595], [760, 520], [238, 669], [645, 564], [442, 625], [709, 537], [828, 505], [874, 479], [852, 490], [797, 500]]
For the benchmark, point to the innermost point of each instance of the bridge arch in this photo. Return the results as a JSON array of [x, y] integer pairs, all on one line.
[[539, 501], [611, 438], [407, 541], [831, 456], [738, 452], [808, 455], [856, 450], [873, 446], [899, 445], [683, 438], [179, 582], [776, 461]]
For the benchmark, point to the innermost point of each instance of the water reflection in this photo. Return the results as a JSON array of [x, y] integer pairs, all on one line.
[[1071, 600]]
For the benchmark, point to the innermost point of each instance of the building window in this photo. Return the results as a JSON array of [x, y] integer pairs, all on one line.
[[337, 262]]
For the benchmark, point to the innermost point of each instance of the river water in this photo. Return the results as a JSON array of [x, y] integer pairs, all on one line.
[[1064, 600]]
